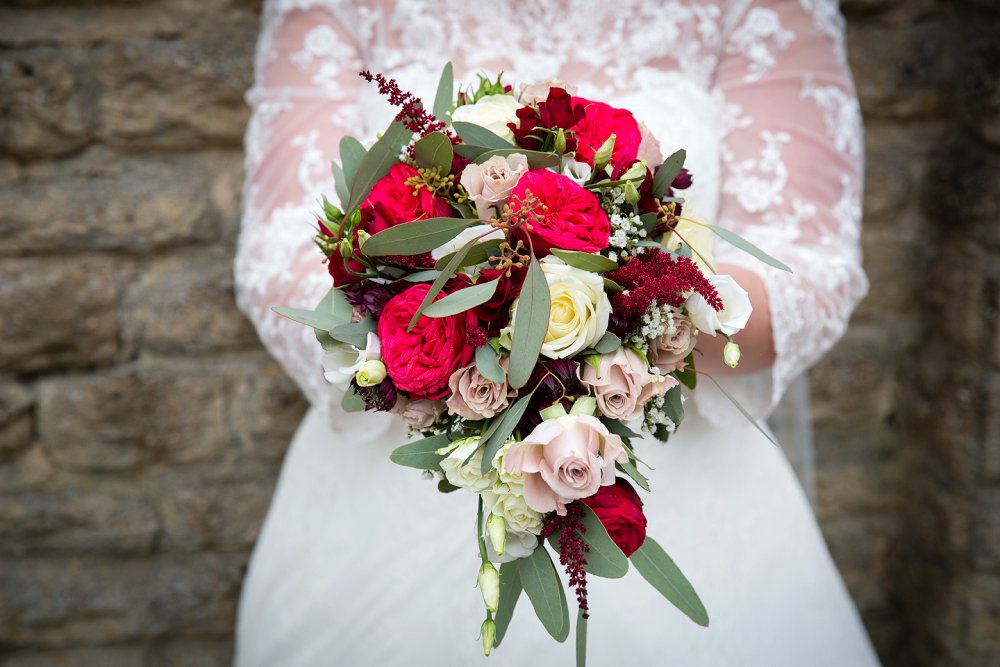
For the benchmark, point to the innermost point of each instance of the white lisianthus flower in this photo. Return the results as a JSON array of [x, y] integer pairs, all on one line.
[[736, 307], [507, 500], [492, 112], [579, 311], [344, 361], [517, 545], [466, 475], [578, 172]]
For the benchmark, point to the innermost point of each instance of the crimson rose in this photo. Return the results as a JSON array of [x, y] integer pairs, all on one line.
[[620, 510], [391, 201], [421, 361], [599, 123], [572, 218]]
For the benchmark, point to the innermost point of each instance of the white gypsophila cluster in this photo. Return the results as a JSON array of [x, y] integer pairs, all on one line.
[[655, 322], [656, 416], [626, 228]]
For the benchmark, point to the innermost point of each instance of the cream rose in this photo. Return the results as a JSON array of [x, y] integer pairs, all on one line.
[[489, 184], [735, 311], [533, 93], [578, 314], [492, 112], [474, 396], [668, 351], [462, 474], [507, 500], [623, 384], [418, 414]]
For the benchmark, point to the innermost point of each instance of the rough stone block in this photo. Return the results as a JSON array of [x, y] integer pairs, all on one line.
[[58, 313], [102, 656], [16, 418], [223, 516], [191, 653], [266, 410]]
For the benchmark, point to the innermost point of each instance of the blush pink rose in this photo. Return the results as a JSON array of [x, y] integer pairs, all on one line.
[[667, 352], [421, 413], [623, 384], [476, 397], [421, 361], [599, 123], [572, 219], [565, 459]]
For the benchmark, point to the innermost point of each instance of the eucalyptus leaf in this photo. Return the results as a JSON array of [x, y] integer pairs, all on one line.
[[510, 592], [488, 364], [444, 486], [612, 286], [377, 162], [747, 247], [354, 333], [317, 320], [351, 155], [479, 253], [688, 376], [667, 172], [480, 136], [541, 583], [608, 343], [421, 454], [604, 559], [673, 404], [649, 222], [629, 469], [471, 151], [531, 322], [659, 569], [462, 300], [445, 95], [446, 274], [340, 184], [421, 276], [618, 428], [743, 411], [536, 159], [414, 238], [434, 151], [351, 401], [501, 428], [586, 261]]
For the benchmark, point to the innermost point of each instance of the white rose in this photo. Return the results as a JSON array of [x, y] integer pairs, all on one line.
[[489, 184], [492, 112], [579, 311], [342, 362], [462, 474], [464, 237], [519, 545], [507, 500], [735, 311]]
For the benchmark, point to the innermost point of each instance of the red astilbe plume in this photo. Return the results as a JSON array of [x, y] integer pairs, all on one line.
[[572, 549], [655, 277]]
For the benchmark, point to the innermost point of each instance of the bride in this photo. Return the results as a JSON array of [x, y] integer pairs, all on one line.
[[359, 562]]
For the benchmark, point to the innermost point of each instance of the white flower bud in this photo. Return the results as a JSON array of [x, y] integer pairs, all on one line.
[[731, 354], [489, 586], [489, 634], [371, 373], [496, 529], [603, 155]]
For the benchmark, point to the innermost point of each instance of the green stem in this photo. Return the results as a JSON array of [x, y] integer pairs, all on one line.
[[581, 640], [479, 532]]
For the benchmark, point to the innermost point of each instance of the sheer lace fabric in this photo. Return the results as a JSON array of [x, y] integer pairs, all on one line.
[[758, 92]]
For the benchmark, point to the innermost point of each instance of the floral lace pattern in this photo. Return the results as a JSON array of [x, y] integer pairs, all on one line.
[[776, 156]]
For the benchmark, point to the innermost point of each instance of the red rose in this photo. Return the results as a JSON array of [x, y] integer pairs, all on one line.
[[600, 123], [620, 510], [495, 313], [391, 201], [421, 361], [573, 218]]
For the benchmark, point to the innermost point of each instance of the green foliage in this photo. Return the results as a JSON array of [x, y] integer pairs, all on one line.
[[541, 583], [414, 238], [531, 322], [421, 454], [659, 569], [667, 172]]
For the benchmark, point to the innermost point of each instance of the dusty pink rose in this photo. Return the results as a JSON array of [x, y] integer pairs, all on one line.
[[420, 413], [476, 397], [668, 351], [489, 184], [565, 459], [623, 384]]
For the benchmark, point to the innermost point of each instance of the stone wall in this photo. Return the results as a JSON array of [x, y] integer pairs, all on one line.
[[142, 426]]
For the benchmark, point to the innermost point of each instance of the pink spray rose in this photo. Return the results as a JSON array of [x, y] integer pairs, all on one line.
[[623, 384]]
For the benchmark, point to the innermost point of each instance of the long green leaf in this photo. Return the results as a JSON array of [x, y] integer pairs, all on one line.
[[747, 247], [536, 159], [421, 276], [488, 364], [500, 430], [479, 253], [340, 184], [446, 274], [586, 260], [743, 411], [445, 95], [322, 321], [377, 162], [462, 300], [354, 333], [531, 322], [629, 469], [414, 238], [510, 592], [480, 136], [659, 569], [434, 150], [604, 559], [421, 454], [541, 583], [667, 172], [351, 155]]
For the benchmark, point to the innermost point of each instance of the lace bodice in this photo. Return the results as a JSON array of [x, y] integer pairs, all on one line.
[[757, 91]]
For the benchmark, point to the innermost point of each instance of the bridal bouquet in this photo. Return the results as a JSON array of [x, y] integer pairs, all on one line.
[[516, 277]]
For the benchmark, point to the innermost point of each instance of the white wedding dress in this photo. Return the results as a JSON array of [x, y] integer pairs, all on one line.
[[362, 562]]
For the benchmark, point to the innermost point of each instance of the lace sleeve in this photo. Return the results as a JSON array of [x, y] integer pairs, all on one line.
[[792, 178], [304, 100]]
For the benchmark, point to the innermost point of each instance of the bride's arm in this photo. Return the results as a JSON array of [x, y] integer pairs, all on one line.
[[304, 100], [792, 178]]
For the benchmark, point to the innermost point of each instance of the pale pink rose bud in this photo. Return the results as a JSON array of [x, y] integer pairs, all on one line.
[[421, 413], [489, 184], [623, 383], [667, 352], [476, 397]]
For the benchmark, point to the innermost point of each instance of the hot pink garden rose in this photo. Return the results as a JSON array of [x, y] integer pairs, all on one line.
[[599, 123], [421, 361], [623, 384], [573, 218], [391, 201], [565, 459]]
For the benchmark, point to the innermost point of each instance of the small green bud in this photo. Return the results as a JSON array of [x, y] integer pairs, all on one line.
[[631, 194], [345, 249], [496, 529], [489, 634], [489, 586], [355, 217], [362, 237], [636, 172], [731, 354], [603, 155], [560, 141], [371, 373]]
